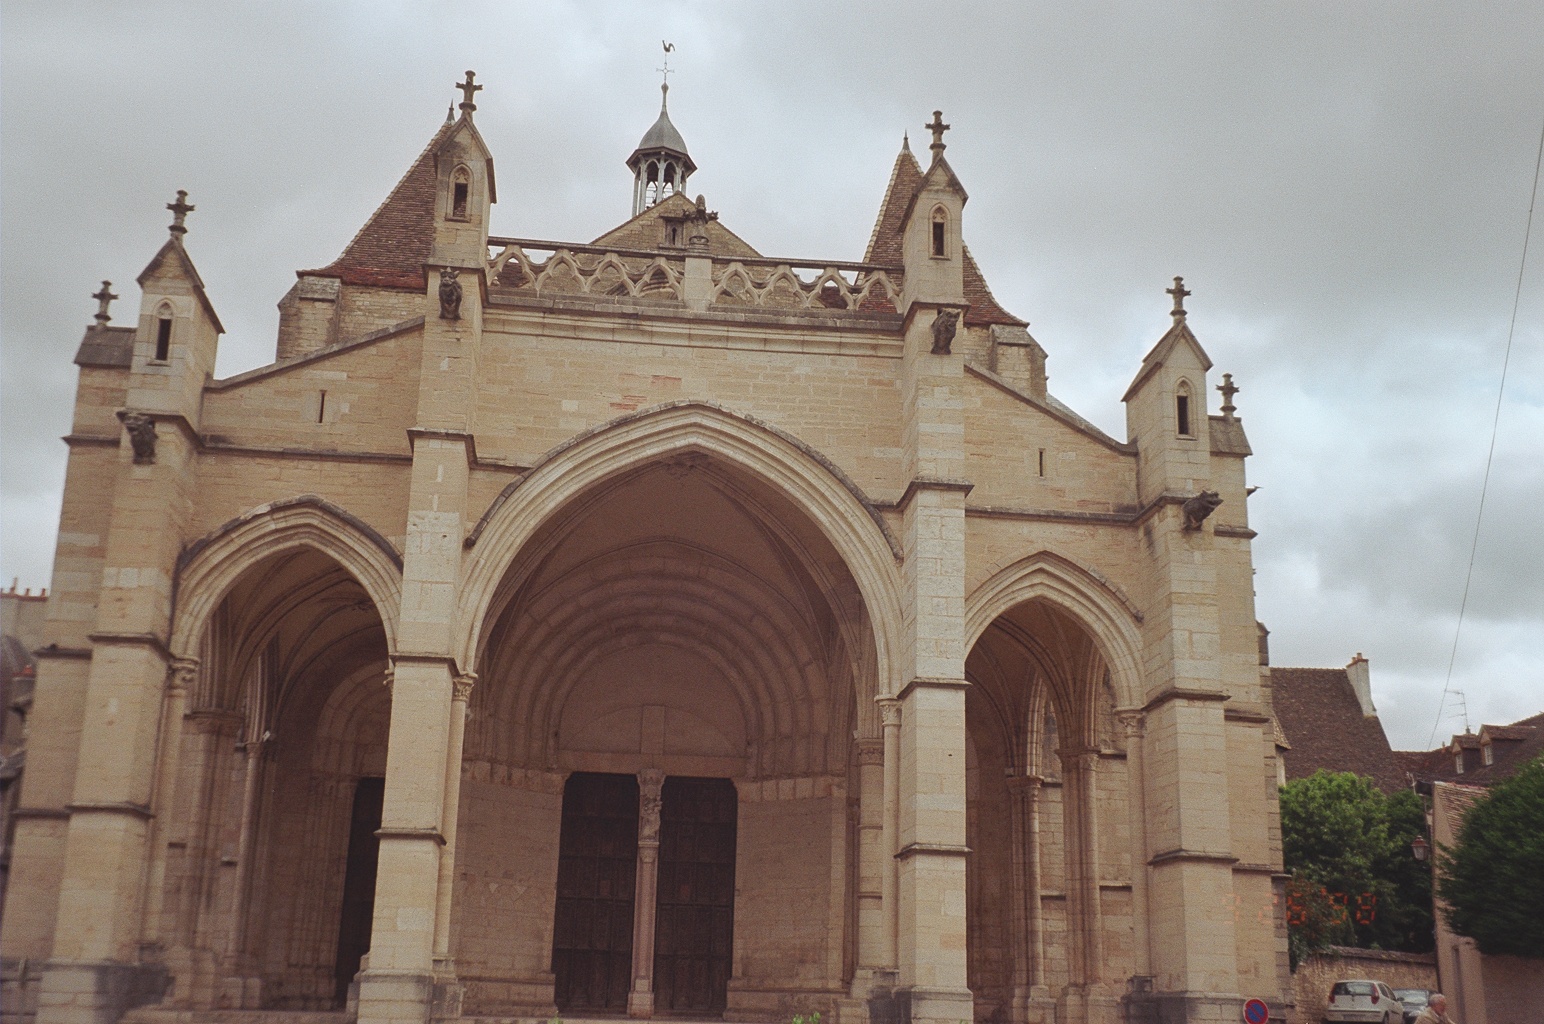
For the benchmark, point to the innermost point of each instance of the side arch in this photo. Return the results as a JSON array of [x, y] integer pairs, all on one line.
[[211, 565], [1108, 614], [812, 482]]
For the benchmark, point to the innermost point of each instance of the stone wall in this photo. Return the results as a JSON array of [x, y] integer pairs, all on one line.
[[1316, 975]]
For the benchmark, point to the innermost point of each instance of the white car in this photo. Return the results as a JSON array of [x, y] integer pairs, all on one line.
[[1363, 1002]]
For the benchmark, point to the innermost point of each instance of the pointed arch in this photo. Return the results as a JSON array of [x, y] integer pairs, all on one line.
[[210, 566], [1098, 605], [812, 482]]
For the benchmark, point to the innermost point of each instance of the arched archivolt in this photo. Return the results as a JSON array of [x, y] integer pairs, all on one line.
[[813, 483], [210, 566], [1107, 614]]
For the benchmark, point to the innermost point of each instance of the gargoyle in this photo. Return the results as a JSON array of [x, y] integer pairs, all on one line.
[[944, 325], [450, 295], [141, 430], [1196, 509]]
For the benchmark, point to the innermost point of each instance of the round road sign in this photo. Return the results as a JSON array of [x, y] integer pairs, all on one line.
[[1256, 1012]]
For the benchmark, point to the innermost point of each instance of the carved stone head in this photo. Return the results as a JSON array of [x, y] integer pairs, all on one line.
[[944, 326]]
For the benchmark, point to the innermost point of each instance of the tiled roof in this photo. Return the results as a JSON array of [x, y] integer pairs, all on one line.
[[1228, 436], [391, 249], [106, 346], [885, 244], [1324, 724]]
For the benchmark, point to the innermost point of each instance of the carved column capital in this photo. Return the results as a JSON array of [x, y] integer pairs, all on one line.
[[461, 686], [871, 751], [1132, 720], [889, 711], [1024, 783], [181, 673]]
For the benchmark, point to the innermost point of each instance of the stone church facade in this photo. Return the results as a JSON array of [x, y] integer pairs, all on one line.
[[644, 627]]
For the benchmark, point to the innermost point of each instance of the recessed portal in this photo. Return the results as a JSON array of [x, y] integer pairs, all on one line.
[[592, 942]]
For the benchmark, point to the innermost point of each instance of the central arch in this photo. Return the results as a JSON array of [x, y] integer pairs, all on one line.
[[802, 475]]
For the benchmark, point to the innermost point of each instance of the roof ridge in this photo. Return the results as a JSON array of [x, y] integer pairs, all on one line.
[[354, 264], [901, 159]]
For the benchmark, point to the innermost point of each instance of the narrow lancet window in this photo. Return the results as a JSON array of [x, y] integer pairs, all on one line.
[[460, 193], [163, 337], [1182, 411], [940, 234]]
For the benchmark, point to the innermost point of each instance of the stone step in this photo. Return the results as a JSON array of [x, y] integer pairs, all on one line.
[[159, 1015]]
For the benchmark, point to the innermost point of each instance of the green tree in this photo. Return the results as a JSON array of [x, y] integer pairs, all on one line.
[[1491, 879], [1354, 880]]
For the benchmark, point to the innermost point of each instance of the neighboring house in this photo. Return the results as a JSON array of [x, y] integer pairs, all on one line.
[[1482, 989], [21, 631], [1327, 720]]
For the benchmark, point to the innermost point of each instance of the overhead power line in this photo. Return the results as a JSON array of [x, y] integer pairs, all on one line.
[[1490, 455]]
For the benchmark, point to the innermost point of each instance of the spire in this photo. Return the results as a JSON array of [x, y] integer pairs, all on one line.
[[660, 164]]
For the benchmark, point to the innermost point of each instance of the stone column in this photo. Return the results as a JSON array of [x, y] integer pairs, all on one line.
[[640, 999], [1079, 797], [461, 692], [890, 830], [1131, 720], [873, 863], [398, 986], [245, 845], [1029, 986], [169, 748]]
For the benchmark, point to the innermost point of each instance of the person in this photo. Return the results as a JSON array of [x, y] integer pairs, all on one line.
[[1436, 1011]]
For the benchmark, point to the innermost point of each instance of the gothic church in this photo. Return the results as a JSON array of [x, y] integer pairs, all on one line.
[[642, 627]]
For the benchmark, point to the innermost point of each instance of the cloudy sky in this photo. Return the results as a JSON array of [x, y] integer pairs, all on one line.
[[1343, 185]]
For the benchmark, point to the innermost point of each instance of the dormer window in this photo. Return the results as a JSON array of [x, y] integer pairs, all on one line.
[[1458, 762], [940, 227], [460, 194], [1488, 753], [163, 334], [1182, 424]]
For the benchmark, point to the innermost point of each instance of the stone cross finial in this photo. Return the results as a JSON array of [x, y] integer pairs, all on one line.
[[180, 210], [937, 128], [104, 298], [1179, 291], [1228, 389], [468, 90]]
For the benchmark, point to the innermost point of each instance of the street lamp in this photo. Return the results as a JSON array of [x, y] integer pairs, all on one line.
[[1420, 848]]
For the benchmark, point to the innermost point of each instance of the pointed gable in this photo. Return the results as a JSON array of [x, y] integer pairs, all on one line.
[[645, 232], [391, 249], [884, 248], [174, 258], [1177, 335]]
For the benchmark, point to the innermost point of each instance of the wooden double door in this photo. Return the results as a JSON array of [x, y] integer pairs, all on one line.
[[693, 914]]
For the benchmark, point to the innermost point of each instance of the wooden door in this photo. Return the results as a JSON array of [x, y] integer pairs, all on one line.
[[694, 931], [358, 884], [592, 936]]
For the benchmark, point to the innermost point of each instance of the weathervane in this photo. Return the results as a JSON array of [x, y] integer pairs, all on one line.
[[664, 69], [1179, 291]]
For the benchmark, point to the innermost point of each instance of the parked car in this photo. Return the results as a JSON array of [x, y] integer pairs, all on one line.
[[1363, 1001], [1414, 1000]]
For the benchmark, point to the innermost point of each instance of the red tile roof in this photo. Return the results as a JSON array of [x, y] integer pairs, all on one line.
[[391, 249], [885, 244], [1323, 720]]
